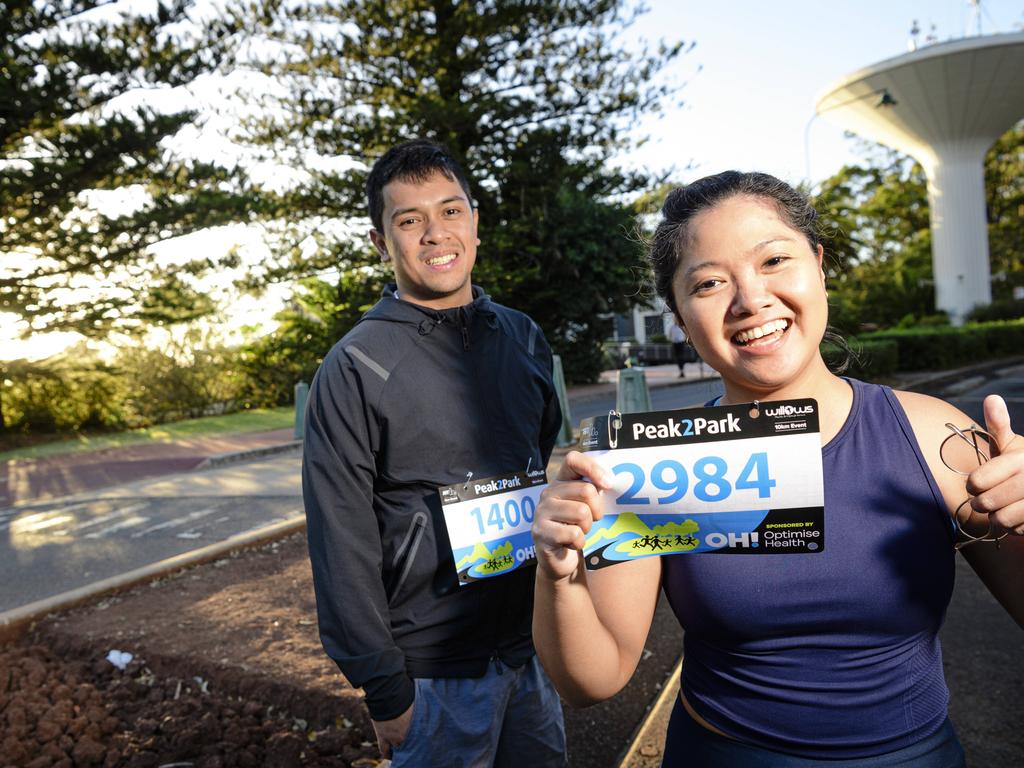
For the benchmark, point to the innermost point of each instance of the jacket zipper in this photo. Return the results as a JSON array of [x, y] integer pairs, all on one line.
[[464, 327], [407, 550]]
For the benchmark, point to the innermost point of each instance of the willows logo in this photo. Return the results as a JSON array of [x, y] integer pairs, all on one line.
[[788, 410]]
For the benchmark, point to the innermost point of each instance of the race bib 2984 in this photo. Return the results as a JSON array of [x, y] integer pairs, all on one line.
[[737, 479]]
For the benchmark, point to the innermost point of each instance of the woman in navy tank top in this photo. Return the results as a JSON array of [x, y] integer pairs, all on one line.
[[789, 660]]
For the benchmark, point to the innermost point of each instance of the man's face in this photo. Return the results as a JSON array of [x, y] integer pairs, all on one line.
[[430, 239]]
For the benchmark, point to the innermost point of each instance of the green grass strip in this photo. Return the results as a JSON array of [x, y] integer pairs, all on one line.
[[255, 420]]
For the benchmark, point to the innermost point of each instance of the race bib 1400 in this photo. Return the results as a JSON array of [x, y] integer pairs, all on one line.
[[489, 522]]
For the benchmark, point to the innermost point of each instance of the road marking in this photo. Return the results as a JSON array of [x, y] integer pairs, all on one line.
[[11, 516], [129, 510], [175, 522], [131, 522]]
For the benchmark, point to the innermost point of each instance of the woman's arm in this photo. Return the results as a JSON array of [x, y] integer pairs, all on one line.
[[997, 487], [589, 628]]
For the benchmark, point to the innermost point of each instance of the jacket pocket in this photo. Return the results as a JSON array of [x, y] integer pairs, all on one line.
[[406, 552]]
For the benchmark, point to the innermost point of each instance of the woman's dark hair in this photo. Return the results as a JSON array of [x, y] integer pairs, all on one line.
[[673, 234], [414, 161]]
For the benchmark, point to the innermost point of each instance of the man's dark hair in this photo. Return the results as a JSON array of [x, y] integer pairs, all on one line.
[[412, 161]]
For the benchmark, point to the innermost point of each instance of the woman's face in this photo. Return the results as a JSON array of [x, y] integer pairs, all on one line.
[[750, 292]]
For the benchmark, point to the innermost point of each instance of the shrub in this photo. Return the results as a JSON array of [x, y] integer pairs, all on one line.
[[867, 359], [182, 381], [63, 393], [937, 348], [1001, 309]]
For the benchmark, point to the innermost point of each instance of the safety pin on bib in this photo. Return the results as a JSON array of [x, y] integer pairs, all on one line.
[[614, 425]]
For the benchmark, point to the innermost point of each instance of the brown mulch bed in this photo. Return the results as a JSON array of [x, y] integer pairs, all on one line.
[[227, 671]]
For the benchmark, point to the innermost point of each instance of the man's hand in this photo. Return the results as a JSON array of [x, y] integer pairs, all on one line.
[[391, 733]]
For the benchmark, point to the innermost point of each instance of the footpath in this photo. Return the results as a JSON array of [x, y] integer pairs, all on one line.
[[24, 481]]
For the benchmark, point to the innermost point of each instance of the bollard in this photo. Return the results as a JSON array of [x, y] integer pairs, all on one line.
[[631, 394], [301, 393], [565, 435]]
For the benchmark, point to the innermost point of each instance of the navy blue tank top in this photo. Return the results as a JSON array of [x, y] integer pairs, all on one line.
[[833, 654]]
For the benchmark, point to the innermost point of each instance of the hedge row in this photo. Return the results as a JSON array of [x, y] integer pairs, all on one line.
[[940, 348], [866, 359]]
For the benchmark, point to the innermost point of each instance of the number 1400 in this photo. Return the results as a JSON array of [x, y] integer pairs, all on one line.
[[511, 514], [710, 475]]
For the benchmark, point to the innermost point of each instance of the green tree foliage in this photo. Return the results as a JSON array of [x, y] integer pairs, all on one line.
[[877, 235], [77, 85], [1004, 192], [533, 96], [565, 252], [191, 376], [319, 314], [877, 239]]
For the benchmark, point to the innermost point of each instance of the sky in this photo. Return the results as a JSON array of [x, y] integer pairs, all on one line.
[[748, 89], [763, 66]]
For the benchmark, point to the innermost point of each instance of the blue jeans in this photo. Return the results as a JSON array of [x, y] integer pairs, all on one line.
[[692, 745], [508, 717]]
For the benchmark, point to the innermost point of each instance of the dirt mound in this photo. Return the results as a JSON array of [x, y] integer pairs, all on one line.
[[227, 670]]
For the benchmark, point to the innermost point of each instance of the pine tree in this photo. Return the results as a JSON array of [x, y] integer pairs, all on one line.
[[535, 97], [79, 83]]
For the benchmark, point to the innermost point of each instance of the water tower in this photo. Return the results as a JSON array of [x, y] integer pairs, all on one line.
[[945, 105]]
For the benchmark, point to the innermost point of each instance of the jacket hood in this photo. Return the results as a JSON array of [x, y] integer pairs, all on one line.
[[395, 310]]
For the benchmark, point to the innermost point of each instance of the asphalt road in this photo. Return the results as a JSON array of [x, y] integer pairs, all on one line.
[[969, 394], [49, 548]]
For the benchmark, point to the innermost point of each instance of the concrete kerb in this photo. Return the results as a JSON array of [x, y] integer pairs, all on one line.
[[15, 622], [231, 457], [645, 750]]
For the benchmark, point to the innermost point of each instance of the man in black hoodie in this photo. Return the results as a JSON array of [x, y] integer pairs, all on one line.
[[436, 383]]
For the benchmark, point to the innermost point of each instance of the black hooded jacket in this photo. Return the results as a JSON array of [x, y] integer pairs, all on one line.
[[409, 400]]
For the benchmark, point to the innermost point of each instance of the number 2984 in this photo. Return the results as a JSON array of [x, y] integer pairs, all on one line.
[[709, 476]]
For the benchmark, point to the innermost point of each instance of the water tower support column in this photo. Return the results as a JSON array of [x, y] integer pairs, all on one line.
[[956, 194]]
